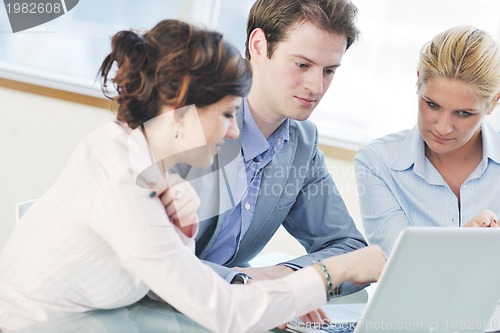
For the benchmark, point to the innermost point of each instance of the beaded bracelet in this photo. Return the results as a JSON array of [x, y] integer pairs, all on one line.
[[331, 292]]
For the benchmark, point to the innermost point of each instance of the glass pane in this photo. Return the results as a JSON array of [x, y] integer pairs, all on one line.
[[374, 92], [232, 21], [71, 48]]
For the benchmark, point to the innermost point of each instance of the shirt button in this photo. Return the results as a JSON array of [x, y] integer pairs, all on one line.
[[247, 206]]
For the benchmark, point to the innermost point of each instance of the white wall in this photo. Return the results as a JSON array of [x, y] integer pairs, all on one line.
[[38, 136], [40, 133]]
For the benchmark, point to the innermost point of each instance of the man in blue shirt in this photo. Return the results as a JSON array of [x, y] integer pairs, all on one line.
[[274, 174]]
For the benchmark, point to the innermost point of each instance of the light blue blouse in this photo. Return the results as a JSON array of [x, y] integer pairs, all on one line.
[[398, 186]]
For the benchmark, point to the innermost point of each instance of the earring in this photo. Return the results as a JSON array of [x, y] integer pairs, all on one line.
[[177, 131]]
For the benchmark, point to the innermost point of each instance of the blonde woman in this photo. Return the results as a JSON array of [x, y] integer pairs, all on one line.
[[444, 171]]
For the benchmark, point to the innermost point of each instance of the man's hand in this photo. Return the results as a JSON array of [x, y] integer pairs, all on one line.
[[317, 317], [265, 273]]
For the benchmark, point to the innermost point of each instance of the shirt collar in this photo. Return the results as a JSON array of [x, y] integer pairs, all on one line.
[[253, 141], [410, 153], [146, 170], [491, 138]]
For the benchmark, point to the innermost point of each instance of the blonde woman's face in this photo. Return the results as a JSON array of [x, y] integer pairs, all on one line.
[[450, 114]]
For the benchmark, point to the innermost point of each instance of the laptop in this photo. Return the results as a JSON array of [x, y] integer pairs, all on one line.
[[437, 280]]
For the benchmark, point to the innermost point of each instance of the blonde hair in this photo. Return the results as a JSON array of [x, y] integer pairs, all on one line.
[[464, 53]]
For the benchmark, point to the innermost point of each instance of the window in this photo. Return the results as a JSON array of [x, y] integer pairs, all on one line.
[[66, 53], [232, 21], [372, 94]]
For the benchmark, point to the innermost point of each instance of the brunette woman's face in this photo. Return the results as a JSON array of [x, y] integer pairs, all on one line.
[[218, 123]]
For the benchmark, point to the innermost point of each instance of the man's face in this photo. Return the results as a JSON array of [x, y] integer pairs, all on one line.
[[293, 81]]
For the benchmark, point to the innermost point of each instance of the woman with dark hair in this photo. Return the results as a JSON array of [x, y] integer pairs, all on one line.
[[100, 237]]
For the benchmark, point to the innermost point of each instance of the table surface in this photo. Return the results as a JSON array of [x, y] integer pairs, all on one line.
[[146, 316]]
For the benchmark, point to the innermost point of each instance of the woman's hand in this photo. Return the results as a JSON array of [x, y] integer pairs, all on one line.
[[359, 267], [181, 203], [485, 219]]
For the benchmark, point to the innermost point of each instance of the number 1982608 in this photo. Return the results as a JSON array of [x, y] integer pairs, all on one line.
[[33, 8]]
